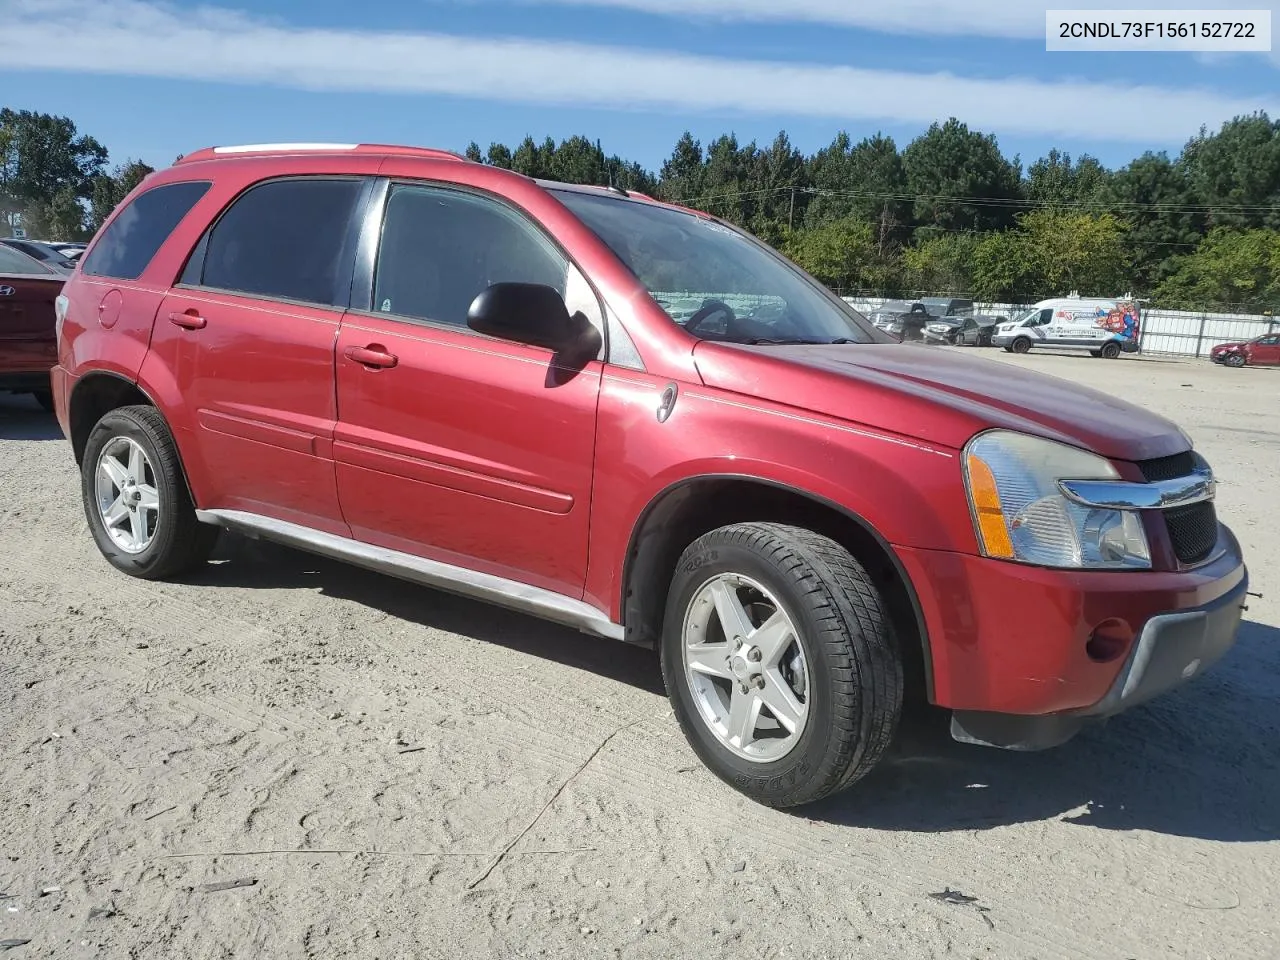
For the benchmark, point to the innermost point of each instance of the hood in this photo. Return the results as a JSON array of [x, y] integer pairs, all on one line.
[[937, 396], [1227, 346]]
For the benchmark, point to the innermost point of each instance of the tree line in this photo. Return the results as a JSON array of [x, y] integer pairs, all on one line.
[[948, 213]]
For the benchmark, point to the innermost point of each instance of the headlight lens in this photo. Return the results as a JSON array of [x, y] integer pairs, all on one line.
[[1021, 514]]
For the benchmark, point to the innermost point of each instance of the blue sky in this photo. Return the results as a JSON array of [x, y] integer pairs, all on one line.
[[153, 79]]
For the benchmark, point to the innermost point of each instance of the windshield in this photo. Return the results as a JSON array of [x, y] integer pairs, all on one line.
[[1026, 315], [715, 282]]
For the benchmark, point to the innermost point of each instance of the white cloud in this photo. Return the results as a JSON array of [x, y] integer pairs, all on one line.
[[140, 38], [1020, 19], [991, 18]]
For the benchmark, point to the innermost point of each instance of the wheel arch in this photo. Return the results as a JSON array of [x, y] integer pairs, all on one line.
[[98, 393], [95, 395], [692, 506]]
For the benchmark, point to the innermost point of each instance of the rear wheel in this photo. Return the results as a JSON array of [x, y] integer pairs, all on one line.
[[780, 662], [1021, 345], [44, 398], [1110, 350], [136, 499]]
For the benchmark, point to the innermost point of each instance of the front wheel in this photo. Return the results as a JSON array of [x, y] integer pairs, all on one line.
[[1021, 345], [136, 499], [780, 662], [1234, 360]]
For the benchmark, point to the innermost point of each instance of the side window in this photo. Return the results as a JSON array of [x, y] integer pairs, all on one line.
[[138, 231], [12, 261], [284, 239], [441, 248]]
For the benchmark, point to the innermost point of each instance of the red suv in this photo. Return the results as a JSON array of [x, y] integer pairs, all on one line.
[[464, 377]]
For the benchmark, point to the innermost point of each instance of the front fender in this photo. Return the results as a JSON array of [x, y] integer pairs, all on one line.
[[906, 492]]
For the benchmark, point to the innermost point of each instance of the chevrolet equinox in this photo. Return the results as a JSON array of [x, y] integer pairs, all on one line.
[[467, 378]]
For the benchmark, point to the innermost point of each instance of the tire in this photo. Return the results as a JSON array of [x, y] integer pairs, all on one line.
[[1234, 360], [1021, 345], [44, 398], [849, 660], [173, 541], [1110, 350]]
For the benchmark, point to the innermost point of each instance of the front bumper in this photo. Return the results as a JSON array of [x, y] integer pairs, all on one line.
[[1172, 649], [1009, 644], [1001, 339]]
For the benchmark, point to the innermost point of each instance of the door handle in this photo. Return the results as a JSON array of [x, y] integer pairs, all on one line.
[[372, 356], [189, 320]]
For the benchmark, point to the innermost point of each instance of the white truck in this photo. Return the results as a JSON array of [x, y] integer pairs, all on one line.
[[1104, 327]]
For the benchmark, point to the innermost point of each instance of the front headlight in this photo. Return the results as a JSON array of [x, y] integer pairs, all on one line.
[[1021, 513]]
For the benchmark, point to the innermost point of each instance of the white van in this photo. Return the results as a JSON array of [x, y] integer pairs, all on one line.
[[1106, 328]]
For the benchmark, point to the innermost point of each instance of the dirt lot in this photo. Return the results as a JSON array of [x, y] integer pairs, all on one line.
[[404, 774]]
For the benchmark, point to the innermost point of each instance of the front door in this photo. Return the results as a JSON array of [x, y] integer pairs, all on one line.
[[452, 445], [249, 334]]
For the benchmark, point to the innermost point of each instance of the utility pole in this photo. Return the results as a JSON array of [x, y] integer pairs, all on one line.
[[791, 217]]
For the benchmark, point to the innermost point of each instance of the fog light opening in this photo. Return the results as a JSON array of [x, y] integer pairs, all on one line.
[[1109, 641]]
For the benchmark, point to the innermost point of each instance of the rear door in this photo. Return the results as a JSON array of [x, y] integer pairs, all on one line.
[[452, 445], [249, 332], [28, 290]]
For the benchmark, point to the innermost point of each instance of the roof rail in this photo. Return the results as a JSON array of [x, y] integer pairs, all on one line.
[[367, 149]]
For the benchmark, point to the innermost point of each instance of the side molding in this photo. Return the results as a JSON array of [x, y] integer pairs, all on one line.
[[431, 573]]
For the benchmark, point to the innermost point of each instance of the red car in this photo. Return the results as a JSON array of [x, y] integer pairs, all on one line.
[[1259, 352], [28, 347], [464, 377]]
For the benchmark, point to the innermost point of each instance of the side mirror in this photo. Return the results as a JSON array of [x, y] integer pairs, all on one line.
[[529, 313]]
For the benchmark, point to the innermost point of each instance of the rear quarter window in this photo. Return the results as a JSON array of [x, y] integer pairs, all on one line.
[[132, 239]]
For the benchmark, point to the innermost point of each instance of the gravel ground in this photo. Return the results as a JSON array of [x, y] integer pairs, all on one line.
[[393, 772]]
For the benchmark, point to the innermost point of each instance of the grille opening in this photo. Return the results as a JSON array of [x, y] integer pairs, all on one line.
[[1193, 530], [1168, 468]]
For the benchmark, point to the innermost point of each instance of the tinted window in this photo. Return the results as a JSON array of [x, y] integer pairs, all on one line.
[[128, 244], [441, 248], [284, 240], [11, 262]]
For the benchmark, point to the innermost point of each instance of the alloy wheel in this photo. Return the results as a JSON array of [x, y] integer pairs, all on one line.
[[127, 494], [746, 668]]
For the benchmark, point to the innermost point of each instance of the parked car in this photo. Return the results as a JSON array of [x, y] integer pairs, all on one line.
[[978, 330], [903, 325], [1261, 351], [46, 253], [458, 375], [941, 329], [28, 345], [975, 330]]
